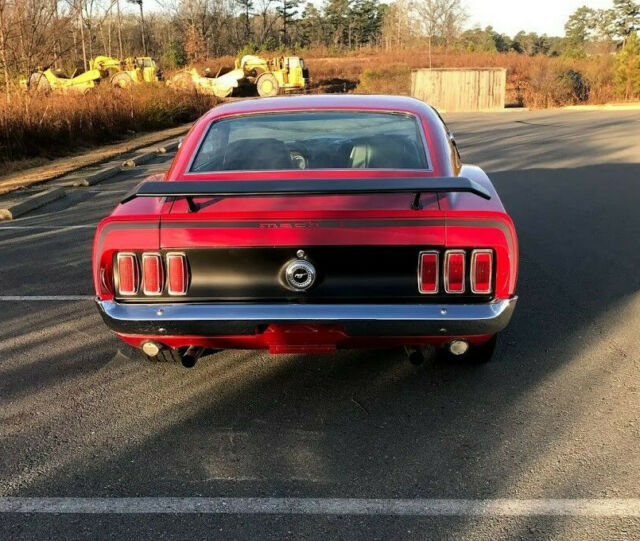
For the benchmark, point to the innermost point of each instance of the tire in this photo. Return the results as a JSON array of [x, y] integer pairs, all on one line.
[[39, 83], [183, 81], [267, 85], [121, 80], [480, 354]]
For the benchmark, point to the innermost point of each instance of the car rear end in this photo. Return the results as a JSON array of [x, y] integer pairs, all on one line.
[[377, 278], [317, 271]]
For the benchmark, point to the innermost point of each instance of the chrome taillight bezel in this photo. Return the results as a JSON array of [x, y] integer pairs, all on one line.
[[158, 257], [185, 263], [472, 274], [437, 284], [445, 271], [136, 269]]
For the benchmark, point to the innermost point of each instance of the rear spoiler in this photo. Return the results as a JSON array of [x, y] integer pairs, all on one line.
[[349, 186]]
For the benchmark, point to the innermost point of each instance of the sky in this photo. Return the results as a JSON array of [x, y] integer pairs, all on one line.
[[506, 16], [541, 16]]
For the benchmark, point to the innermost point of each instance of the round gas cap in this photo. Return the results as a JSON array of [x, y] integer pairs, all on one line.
[[300, 274]]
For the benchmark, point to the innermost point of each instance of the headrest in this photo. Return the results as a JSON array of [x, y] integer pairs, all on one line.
[[384, 153], [256, 155]]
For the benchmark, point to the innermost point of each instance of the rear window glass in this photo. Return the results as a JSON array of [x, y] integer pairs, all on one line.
[[312, 140]]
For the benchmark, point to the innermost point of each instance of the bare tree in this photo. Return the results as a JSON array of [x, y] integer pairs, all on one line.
[[142, 32], [33, 24], [4, 38], [119, 24], [267, 18], [441, 20]]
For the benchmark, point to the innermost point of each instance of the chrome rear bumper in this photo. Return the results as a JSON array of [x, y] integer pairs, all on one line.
[[356, 319]]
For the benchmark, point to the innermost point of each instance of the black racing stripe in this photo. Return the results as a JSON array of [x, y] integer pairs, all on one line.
[[273, 224], [115, 226], [309, 224], [496, 224]]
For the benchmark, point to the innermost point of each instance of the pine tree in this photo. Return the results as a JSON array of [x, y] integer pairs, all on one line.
[[627, 76], [579, 27], [287, 11], [627, 17], [247, 8]]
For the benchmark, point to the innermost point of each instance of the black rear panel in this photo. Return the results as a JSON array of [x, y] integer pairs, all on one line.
[[344, 274]]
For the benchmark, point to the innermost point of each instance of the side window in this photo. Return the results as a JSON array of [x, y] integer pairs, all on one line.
[[452, 139]]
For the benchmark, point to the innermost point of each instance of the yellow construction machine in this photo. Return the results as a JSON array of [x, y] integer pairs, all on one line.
[[284, 74], [127, 72], [220, 86], [119, 73], [57, 80]]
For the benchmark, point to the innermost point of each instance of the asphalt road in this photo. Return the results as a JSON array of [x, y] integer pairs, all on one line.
[[556, 415]]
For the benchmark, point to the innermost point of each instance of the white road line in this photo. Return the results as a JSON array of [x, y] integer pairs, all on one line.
[[47, 227], [327, 506], [14, 298]]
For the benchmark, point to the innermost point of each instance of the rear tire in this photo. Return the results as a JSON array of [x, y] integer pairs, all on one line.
[[39, 83], [121, 80], [183, 81], [267, 85], [480, 354]]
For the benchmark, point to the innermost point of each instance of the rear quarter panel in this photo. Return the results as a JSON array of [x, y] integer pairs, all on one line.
[[133, 226], [473, 222]]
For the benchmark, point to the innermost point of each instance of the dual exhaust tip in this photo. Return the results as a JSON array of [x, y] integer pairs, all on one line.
[[188, 359], [416, 355], [192, 354]]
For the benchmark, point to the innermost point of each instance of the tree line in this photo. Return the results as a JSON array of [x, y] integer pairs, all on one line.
[[67, 33]]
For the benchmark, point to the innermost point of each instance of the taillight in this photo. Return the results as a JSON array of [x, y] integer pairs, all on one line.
[[428, 272], [481, 270], [152, 274], [454, 271], [128, 275], [178, 274]]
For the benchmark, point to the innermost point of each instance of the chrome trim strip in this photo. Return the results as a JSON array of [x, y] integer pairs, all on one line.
[[358, 319]]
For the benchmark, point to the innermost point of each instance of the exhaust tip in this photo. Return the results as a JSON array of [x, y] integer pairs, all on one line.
[[415, 355], [189, 361], [191, 356], [151, 348], [458, 347]]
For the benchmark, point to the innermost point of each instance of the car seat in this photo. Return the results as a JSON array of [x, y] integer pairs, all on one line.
[[385, 153], [257, 155]]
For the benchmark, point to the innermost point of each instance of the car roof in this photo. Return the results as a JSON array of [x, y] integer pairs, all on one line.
[[322, 101]]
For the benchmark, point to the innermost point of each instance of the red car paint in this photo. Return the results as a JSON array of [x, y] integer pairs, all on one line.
[[448, 220]]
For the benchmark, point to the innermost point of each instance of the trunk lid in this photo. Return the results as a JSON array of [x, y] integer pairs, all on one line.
[[363, 248]]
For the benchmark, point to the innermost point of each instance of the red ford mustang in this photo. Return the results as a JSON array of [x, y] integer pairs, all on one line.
[[307, 224]]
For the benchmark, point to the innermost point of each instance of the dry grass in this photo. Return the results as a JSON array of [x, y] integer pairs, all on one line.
[[535, 82], [35, 126], [531, 81]]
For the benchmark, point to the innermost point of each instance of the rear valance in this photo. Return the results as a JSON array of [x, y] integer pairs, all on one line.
[[350, 186]]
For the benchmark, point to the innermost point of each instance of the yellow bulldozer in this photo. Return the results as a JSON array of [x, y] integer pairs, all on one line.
[[119, 73], [284, 74]]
